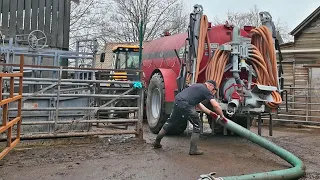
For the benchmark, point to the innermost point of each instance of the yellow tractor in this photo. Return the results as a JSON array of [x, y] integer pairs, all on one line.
[[125, 57]]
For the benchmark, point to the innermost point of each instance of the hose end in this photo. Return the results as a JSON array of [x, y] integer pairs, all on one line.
[[232, 107], [209, 176]]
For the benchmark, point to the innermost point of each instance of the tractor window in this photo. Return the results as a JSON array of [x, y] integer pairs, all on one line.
[[121, 60], [133, 60], [127, 60]]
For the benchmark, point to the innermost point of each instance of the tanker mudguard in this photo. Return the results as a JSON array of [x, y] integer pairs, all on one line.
[[170, 85]]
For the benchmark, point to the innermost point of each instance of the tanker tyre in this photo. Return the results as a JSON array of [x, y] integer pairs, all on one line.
[[155, 108], [155, 104]]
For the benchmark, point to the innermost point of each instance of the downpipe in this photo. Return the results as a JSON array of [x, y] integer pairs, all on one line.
[[297, 171], [235, 55]]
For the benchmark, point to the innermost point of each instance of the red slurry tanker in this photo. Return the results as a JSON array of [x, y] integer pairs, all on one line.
[[241, 61]]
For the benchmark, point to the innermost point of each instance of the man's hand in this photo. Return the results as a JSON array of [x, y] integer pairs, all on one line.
[[217, 107], [215, 116], [224, 119]]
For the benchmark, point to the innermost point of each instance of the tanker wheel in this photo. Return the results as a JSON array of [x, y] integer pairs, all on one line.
[[155, 107]]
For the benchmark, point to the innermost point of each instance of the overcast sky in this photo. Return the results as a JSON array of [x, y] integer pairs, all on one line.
[[290, 11]]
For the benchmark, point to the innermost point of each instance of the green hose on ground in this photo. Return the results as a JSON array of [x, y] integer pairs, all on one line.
[[297, 171]]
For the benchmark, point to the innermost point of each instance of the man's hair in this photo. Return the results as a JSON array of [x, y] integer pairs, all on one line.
[[213, 83]]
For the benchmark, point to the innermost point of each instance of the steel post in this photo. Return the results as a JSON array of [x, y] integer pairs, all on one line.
[[139, 125], [140, 47], [270, 125], [58, 100]]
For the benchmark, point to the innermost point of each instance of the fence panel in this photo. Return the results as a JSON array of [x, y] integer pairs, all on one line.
[[20, 17], [57, 105], [8, 123], [302, 106]]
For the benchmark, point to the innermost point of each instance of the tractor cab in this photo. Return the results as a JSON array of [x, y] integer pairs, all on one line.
[[125, 57]]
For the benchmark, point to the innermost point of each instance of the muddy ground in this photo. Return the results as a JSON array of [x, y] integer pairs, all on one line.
[[122, 157]]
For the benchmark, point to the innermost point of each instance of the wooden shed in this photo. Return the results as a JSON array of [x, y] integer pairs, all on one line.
[[20, 17], [302, 69]]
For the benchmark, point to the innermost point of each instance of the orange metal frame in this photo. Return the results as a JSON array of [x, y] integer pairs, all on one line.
[[4, 103]]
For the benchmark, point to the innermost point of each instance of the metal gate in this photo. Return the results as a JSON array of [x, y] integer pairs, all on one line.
[[60, 101], [7, 123]]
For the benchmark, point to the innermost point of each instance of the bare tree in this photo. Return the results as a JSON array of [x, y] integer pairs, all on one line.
[[157, 16], [251, 18], [283, 29], [87, 18]]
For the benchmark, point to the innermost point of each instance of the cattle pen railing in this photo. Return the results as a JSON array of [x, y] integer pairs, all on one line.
[[301, 105], [69, 107]]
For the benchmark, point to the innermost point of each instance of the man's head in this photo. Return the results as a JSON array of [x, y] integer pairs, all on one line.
[[212, 86]]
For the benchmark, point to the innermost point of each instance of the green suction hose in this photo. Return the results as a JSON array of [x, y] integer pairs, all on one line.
[[297, 171]]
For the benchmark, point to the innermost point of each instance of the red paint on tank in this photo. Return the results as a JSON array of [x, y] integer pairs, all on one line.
[[164, 44], [217, 34]]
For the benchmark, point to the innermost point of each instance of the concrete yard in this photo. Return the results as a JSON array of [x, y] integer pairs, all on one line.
[[121, 157]]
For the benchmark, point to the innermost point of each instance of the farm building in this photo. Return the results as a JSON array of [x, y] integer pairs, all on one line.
[[302, 69]]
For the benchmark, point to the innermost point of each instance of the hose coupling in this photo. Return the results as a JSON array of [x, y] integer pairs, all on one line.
[[232, 107], [209, 176]]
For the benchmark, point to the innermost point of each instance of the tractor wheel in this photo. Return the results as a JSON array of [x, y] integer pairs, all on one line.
[[155, 107]]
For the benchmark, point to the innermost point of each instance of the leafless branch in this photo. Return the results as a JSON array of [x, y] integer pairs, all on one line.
[[157, 15], [86, 19], [251, 18]]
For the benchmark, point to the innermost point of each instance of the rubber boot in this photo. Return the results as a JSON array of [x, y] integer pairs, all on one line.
[[194, 144], [156, 144]]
